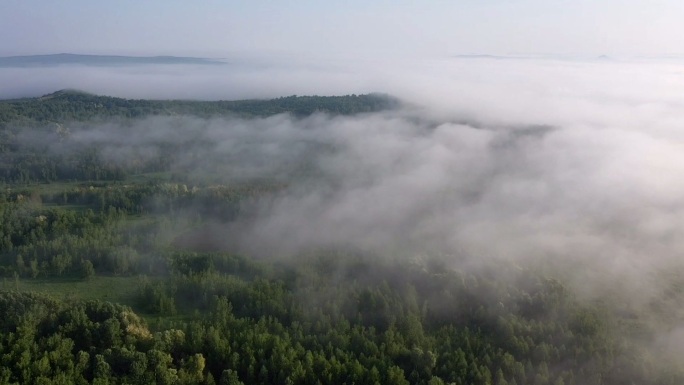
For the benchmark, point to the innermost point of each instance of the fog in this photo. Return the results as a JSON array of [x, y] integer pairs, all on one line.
[[572, 165]]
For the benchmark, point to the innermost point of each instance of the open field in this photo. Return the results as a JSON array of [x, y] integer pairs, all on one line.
[[107, 288]]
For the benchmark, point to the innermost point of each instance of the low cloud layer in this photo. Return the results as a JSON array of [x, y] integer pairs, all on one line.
[[606, 201], [567, 163]]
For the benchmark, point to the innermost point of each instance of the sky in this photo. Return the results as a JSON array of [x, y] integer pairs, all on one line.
[[350, 28]]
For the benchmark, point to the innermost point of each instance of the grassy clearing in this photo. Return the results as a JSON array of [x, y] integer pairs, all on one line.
[[107, 288], [58, 187], [77, 208], [50, 188], [121, 290]]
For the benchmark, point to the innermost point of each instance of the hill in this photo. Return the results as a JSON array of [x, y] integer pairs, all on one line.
[[72, 105]]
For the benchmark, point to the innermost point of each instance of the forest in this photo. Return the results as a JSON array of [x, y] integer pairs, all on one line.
[[130, 253]]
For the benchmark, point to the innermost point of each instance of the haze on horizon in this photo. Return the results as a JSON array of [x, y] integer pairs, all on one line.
[[408, 48], [309, 47]]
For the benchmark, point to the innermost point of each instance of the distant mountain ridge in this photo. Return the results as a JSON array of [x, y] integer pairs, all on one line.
[[100, 60]]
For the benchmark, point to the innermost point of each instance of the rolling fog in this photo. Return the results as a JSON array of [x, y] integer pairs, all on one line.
[[572, 165]]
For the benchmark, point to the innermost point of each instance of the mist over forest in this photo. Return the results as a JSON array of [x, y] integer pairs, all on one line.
[[466, 220], [549, 157]]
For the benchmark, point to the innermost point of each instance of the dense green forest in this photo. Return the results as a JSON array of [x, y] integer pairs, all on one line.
[[179, 309]]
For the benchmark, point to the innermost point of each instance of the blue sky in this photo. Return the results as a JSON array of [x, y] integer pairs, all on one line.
[[347, 28]]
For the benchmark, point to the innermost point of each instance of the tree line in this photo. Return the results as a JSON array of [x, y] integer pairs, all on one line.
[[70, 105]]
